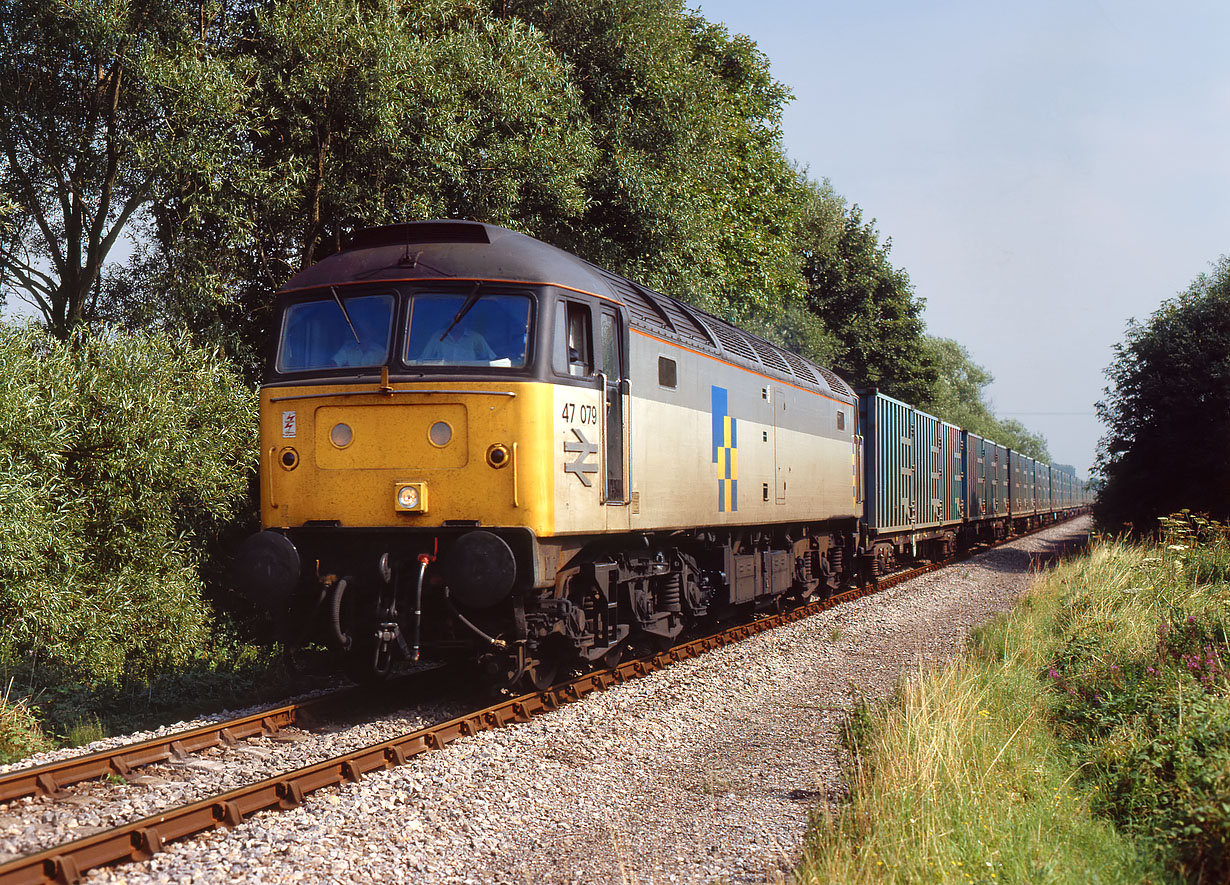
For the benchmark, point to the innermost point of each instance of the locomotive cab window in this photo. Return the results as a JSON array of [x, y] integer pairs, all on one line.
[[574, 348], [468, 329], [336, 332]]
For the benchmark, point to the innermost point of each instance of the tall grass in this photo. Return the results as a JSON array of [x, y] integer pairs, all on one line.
[[21, 735], [1085, 737]]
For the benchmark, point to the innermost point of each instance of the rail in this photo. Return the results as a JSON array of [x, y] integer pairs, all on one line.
[[141, 839]]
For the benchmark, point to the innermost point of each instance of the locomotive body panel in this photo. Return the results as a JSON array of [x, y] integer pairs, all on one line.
[[727, 446]]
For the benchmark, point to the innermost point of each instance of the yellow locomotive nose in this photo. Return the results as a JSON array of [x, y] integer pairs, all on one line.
[[356, 436], [364, 457]]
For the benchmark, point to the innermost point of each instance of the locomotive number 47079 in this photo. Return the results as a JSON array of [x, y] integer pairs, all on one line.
[[586, 413]]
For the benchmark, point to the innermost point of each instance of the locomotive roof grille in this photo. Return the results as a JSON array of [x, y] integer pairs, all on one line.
[[687, 323], [643, 307], [769, 355], [834, 381], [732, 340], [800, 367]]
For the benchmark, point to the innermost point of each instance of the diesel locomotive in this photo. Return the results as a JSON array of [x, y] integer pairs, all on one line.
[[477, 445]]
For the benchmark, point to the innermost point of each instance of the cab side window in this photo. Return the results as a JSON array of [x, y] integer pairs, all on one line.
[[608, 356], [574, 340]]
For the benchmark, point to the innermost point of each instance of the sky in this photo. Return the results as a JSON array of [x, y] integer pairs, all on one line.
[[1045, 170]]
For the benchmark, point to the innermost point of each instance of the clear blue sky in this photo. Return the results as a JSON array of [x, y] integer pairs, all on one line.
[[1045, 170]]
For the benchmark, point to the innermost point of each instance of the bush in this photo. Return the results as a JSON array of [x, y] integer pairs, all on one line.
[[1085, 737], [121, 455], [1153, 718]]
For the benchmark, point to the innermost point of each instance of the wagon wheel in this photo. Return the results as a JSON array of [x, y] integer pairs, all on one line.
[[541, 675], [611, 659]]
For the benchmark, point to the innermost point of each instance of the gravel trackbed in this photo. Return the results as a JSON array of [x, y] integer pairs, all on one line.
[[703, 772]]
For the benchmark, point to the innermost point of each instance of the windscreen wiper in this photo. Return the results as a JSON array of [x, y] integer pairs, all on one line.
[[346, 314], [470, 301]]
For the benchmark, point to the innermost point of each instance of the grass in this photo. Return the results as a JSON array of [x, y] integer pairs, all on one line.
[[42, 709], [1084, 738]]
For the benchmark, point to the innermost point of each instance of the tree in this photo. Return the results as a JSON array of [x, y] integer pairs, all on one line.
[[1167, 410], [365, 113], [690, 191], [866, 302], [95, 97], [959, 398]]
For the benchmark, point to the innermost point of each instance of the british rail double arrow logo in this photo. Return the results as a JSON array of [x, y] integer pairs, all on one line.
[[583, 448]]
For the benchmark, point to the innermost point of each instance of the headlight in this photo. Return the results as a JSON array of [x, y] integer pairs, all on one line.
[[497, 456], [411, 497]]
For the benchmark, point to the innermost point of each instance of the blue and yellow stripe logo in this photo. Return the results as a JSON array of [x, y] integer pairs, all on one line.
[[725, 453]]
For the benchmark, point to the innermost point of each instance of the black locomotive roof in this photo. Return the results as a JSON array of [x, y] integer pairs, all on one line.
[[464, 250], [469, 250]]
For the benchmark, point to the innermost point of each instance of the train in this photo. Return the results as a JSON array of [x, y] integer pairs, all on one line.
[[477, 446]]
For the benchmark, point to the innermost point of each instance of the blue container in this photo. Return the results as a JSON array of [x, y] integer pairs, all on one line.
[[913, 466], [977, 487]]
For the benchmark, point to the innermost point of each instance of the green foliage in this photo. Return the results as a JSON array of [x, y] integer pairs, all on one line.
[[1153, 719], [630, 131], [1085, 737], [385, 111], [357, 114], [96, 98], [120, 456], [868, 304], [960, 780], [85, 731], [226, 673], [1167, 410], [958, 398], [690, 191]]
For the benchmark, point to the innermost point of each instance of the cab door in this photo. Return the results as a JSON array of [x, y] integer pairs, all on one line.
[[612, 376]]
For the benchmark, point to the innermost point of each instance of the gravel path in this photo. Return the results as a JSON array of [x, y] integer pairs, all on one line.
[[703, 772]]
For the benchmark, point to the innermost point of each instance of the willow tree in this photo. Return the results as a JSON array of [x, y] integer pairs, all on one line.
[[95, 99]]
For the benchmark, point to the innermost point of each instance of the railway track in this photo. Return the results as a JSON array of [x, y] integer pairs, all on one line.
[[140, 839], [50, 779]]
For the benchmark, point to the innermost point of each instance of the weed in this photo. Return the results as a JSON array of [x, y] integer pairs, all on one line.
[[20, 732], [85, 731]]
